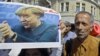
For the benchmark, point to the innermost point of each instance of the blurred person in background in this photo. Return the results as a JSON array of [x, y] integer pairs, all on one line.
[[34, 52], [96, 30], [68, 34]]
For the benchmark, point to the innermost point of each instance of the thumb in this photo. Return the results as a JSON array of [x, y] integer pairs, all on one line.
[[5, 22]]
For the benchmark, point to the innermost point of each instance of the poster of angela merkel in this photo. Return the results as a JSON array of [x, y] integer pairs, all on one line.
[[28, 26]]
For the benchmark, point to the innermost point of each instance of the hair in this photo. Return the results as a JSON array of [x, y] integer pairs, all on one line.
[[84, 12], [43, 51], [29, 10], [67, 23]]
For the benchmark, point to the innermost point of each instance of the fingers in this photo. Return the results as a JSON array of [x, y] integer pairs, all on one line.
[[4, 22], [5, 32], [4, 28]]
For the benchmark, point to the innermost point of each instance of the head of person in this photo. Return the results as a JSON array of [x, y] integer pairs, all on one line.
[[68, 26], [30, 16], [34, 52], [61, 25], [83, 24]]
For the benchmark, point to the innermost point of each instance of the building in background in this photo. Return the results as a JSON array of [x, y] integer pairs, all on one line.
[[67, 8]]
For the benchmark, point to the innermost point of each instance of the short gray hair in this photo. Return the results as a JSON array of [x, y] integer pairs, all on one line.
[[84, 12], [67, 23]]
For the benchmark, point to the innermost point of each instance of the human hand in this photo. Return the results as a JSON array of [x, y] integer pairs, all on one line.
[[6, 29]]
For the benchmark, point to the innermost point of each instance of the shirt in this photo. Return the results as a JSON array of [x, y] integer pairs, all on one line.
[[68, 36], [89, 47]]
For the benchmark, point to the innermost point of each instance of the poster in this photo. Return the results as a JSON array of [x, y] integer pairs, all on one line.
[[7, 13]]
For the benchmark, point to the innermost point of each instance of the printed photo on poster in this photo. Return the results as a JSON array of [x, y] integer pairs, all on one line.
[[29, 25]]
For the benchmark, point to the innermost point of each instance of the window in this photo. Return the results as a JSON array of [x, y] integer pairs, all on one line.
[[67, 6], [62, 6], [91, 9], [99, 11], [95, 0], [83, 7], [25, 1], [35, 2], [2, 0], [21, 1], [94, 11], [77, 7]]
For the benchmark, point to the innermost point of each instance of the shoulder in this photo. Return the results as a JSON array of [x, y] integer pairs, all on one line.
[[18, 27], [49, 25], [95, 39], [71, 33], [69, 42]]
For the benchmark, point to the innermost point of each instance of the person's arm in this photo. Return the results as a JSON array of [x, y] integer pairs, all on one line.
[[68, 47], [6, 30], [64, 51], [16, 37]]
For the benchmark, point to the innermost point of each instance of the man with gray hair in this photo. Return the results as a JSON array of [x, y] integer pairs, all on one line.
[[84, 44]]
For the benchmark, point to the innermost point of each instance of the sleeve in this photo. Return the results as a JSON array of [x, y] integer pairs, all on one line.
[[64, 51], [68, 47], [18, 37]]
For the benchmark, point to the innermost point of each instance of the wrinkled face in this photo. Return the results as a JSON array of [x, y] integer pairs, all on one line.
[[29, 21], [82, 25], [32, 52]]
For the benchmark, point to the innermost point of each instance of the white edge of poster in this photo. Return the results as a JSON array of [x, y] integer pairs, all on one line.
[[31, 45]]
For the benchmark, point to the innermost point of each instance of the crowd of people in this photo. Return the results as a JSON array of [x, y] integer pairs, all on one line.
[[83, 40]]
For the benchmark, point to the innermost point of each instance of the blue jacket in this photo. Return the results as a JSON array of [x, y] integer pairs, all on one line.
[[44, 33]]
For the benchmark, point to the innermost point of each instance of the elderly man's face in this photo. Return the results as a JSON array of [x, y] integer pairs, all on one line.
[[29, 21], [82, 25]]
